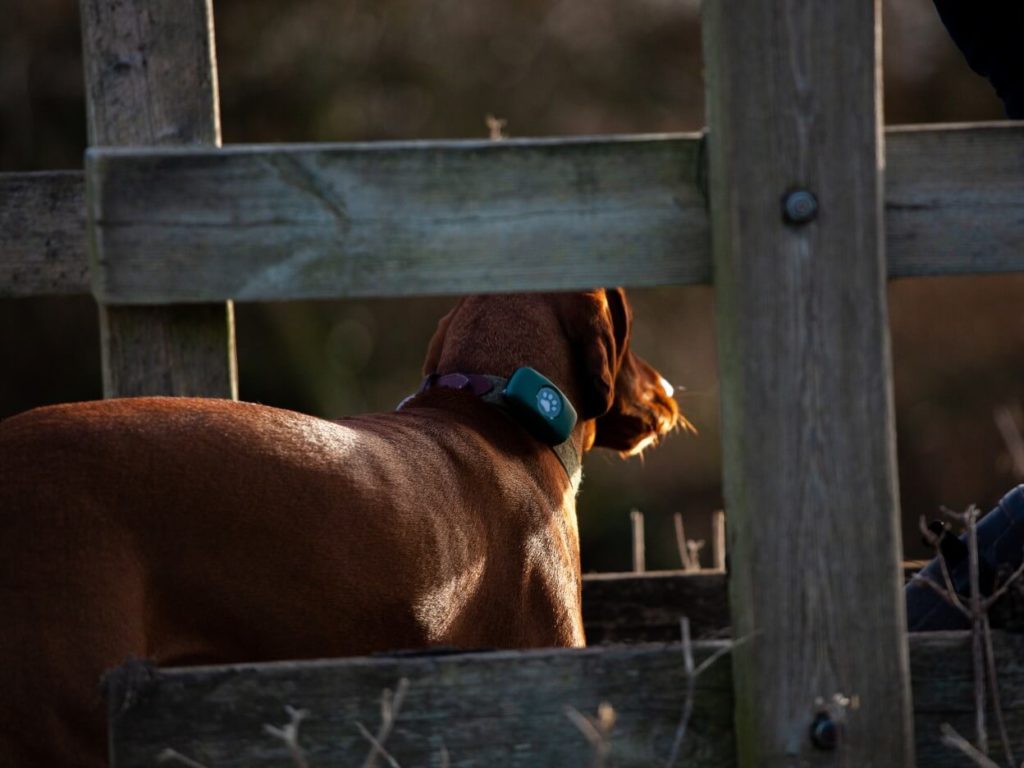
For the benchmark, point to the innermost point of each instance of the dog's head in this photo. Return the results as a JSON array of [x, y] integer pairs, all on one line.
[[580, 341], [631, 402]]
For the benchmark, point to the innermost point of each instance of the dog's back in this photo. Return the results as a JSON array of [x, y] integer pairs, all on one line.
[[200, 531]]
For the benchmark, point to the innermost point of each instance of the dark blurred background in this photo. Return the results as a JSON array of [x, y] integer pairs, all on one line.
[[344, 70]]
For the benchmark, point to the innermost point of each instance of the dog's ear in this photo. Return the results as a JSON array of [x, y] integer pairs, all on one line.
[[436, 345], [600, 333]]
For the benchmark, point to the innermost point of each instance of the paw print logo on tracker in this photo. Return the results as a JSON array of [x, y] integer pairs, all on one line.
[[549, 403]]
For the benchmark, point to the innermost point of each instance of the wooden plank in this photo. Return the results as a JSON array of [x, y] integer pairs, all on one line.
[[397, 219], [42, 234], [459, 217], [955, 200], [151, 79], [807, 418], [169, 350], [955, 203], [634, 608], [943, 683], [502, 708], [630, 608]]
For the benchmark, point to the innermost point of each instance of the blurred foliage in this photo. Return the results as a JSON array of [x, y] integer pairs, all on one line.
[[342, 70]]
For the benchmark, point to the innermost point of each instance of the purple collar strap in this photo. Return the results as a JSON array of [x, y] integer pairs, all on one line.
[[479, 384], [491, 389]]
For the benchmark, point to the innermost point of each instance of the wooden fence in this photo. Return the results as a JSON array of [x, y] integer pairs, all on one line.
[[795, 205]]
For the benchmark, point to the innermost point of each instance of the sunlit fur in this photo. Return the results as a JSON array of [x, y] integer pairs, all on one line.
[[643, 410], [194, 531]]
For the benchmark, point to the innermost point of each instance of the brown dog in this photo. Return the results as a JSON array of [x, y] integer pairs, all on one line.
[[192, 531]]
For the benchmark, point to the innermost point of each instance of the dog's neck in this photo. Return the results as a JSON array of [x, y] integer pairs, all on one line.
[[491, 389]]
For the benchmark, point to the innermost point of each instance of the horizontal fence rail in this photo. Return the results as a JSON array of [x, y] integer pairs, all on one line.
[[644, 608], [954, 199], [396, 219], [637, 608], [400, 219], [504, 708]]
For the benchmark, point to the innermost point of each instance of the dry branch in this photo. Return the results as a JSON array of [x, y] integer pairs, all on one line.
[[976, 609], [636, 521], [596, 730], [172, 755], [1006, 423], [390, 705], [289, 734]]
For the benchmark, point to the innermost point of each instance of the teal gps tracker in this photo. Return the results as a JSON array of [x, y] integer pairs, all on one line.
[[545, 411]]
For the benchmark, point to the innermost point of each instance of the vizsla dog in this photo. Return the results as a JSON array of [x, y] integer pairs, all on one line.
[[192, 531]]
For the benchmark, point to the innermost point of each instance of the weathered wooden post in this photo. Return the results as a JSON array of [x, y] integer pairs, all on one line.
[[795, 153], [151, 79]]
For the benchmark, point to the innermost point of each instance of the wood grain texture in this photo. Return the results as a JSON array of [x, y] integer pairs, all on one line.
[[955, 205], [170, 350], [150, 71], [955, 199], [807, 417], [397, 219], [461, 217], [42, 234], [943, 684], [151, 79], [502, 708], [630, 608], [505, 708]]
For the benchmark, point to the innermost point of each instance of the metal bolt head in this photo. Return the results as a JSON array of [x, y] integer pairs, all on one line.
[[799, 206], [824, 732]]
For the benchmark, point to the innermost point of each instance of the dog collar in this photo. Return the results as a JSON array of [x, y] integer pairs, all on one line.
[[530, 399]]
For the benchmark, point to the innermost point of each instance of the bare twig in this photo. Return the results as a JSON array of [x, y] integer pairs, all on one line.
[[723, 651], [691, 692], [951, 738], [689, 549], [975, 612], [994, 597], [993, 684], [390, 705], [929, 536], [289, 734], [947, 579], [982, 653], [1006, 423], [377, 748], [694, 546], [169, 755], [596, 730], [636, 520], [941, 591], [718, 540], [684, 552], [496, 127], [692, 673], [977, 618]]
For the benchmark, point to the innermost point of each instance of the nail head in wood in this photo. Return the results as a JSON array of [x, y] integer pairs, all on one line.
[[824, 732], [799, 206]]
